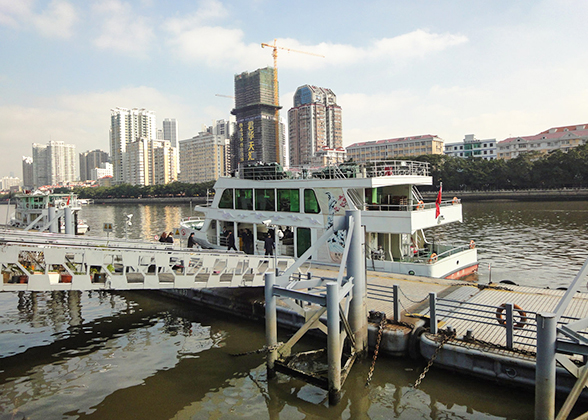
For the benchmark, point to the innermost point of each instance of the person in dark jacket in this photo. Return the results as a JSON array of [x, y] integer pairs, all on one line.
[[170, 238], [268, 244], [230, 241], [191, 241], [163, 237]]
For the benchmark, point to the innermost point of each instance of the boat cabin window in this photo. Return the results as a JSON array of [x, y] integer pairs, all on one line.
[[265, 199], [289, 200], [244, 199], [310, 202], [226, 200], [304, 240]]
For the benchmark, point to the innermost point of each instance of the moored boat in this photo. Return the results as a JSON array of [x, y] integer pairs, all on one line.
[[300, 204], [32, 211]]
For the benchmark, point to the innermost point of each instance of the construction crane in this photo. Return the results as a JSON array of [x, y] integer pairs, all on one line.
[[276, 98], [224, 96]]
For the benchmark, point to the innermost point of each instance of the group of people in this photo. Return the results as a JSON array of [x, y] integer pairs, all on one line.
[[247, 240], [169, 238]]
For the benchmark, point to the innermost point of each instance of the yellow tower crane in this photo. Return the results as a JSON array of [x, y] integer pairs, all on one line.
[[276, 98]]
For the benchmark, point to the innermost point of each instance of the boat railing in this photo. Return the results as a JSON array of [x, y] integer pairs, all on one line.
[[346, 170], [405, 207]]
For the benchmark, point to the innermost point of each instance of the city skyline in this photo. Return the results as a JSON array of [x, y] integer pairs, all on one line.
[[497, 69]]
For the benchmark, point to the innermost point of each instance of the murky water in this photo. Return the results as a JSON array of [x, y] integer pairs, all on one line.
[[541, 244], [141, 356]]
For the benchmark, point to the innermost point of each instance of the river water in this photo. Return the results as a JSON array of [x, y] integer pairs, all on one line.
[[134, 355]]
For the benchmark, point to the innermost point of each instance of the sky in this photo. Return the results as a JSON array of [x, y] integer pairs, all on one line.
[[494, 69]]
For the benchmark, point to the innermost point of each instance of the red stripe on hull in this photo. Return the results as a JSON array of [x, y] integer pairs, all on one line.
[[463, 272]]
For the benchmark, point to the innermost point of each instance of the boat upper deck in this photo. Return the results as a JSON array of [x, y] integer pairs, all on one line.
[[392, 169]]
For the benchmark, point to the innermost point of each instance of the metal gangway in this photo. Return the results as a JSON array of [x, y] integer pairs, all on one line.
[[48, 261]]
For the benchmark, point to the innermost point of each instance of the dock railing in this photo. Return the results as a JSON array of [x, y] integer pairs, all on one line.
[[504, 325]]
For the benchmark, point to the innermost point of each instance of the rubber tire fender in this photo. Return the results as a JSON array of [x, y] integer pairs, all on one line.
[[414, 343]]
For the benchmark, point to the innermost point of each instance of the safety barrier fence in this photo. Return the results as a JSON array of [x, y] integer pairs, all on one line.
[[506, 325]]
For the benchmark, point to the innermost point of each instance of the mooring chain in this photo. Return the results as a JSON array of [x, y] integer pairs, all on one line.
[[447, 335], [413, 301], [264, 349], [377, 348]]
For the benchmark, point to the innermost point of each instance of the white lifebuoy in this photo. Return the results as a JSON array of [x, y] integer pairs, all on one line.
[[433, 258], [420, 205]]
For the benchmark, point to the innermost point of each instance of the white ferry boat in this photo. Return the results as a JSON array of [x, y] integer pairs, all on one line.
[[31, 211], [303, 202]]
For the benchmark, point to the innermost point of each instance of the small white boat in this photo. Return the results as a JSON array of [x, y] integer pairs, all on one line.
[[304, 202]]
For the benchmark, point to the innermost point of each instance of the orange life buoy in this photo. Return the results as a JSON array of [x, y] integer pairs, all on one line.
[[472, 244], [522, 316], [420, 205], [432, 258], [455, 200]]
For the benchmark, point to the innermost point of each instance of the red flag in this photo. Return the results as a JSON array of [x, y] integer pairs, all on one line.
[[438, 202]]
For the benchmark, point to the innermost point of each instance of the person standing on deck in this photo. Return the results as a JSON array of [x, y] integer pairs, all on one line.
[[268, 245], [230, 241], [191, 241]]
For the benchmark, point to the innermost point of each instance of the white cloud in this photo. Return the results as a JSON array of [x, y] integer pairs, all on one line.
[[123, 29], [57, 20], [82, 120], [13, 12], [414, 44], [218, 46]]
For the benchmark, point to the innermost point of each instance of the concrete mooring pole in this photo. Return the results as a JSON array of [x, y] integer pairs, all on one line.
[[356, 269], [271, 323], [333, 343], [51, 215], [545, 372], [68, 221]]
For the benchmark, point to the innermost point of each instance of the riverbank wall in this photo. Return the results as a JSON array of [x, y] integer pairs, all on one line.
[[578, 194]]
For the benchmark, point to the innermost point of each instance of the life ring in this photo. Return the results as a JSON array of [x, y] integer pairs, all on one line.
[[522, 315], [433, 258], [420, 205], [455, 200], [472, 244]]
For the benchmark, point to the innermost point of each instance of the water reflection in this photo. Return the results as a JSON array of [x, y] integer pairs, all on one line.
[[137, 355], [147, 221]]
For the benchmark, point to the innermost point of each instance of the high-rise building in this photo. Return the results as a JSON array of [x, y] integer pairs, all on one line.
[[89, 161], [61, 159], [40, 169], [150, 162], [27, 172], [170, 131], [255, 137], [54, 163], [204, 157], [127, 126], [314, 123], [9, 182]]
